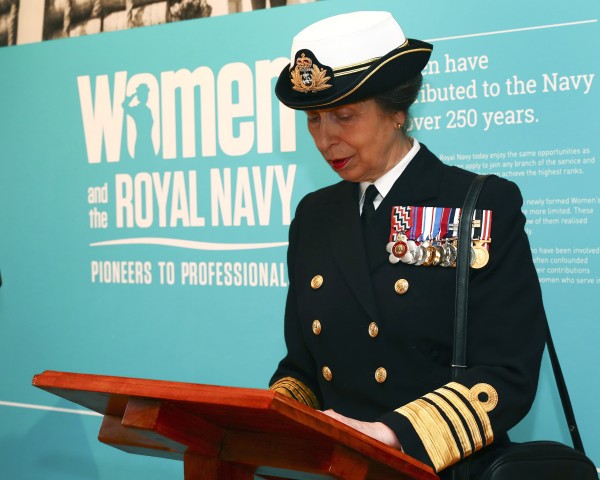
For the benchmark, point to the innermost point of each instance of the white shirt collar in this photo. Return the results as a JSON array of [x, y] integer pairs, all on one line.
[[385, 183]]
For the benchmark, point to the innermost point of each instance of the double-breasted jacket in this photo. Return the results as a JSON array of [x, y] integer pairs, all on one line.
[[373, 340]]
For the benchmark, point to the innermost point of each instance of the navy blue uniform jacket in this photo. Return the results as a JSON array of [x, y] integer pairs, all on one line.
[[402, 374]]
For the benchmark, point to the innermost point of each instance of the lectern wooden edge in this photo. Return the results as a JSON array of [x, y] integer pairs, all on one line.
[[229, 433]]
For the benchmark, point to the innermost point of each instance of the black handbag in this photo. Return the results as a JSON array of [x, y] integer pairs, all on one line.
[[541, 460]]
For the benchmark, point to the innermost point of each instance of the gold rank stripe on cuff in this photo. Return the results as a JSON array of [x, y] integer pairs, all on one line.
[[475, 433], [457, 424], [297, 390], [452, 420]]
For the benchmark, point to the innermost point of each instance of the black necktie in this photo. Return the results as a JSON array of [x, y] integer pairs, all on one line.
[[368, 210]]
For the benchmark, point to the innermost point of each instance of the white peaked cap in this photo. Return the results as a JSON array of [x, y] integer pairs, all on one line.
[[347, 58], [342, 39]]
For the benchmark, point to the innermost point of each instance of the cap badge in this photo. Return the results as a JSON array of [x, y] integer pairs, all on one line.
[[307, 76]]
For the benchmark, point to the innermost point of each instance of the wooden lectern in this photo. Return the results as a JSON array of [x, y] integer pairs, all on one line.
[[230, 433]]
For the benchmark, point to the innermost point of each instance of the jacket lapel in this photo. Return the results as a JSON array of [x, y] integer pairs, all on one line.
[[419, 184], [347, 244]]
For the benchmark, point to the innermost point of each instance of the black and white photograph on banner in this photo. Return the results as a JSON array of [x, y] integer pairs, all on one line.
[[73, 18]]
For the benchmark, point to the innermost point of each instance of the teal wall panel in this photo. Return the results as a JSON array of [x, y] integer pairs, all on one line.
[[72, 298]]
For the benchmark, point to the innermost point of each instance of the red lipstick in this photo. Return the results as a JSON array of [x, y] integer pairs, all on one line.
[[339, 163]]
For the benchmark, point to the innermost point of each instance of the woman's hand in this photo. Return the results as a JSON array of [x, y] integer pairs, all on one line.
[[377, 430]]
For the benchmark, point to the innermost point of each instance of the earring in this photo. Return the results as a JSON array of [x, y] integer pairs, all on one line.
[[398, 126]]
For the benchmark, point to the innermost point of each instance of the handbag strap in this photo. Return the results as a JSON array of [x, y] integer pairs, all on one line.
[[461, 300], [563, 392], [459, 359]]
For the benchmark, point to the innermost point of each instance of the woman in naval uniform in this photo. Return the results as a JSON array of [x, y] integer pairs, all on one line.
[[370, 308]]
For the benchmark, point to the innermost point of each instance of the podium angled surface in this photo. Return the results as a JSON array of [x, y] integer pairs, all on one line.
[[229, 433]]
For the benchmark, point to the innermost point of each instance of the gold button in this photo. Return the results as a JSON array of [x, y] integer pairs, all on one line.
[[316, 326], [327, 373], [373, 329], [316, 282], [401, 286], [380, 375]]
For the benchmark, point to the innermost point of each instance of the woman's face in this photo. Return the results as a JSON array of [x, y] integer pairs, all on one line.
[[359, 141]]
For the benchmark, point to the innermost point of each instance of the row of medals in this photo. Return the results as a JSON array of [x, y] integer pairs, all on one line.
[[437, 252]]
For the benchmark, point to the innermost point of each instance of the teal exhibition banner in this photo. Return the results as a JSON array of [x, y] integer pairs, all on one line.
[[148, 179]]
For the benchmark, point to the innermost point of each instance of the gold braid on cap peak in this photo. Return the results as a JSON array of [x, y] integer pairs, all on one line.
[[452, 422], [290, 387]]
